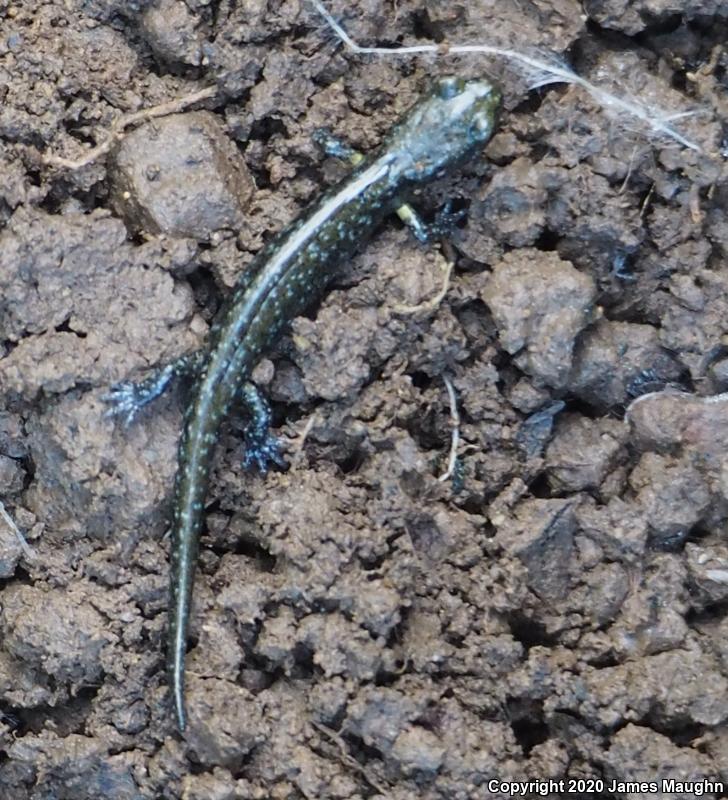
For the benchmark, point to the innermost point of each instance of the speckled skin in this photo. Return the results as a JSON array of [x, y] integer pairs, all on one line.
[[442, 130]]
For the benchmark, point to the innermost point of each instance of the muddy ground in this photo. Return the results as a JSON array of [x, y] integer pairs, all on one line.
[[555, 610]]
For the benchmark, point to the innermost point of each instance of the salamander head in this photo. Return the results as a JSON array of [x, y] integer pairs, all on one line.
[[443, 129]]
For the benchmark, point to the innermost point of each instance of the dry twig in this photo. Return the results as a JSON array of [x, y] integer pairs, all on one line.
[[454, 433], [346, 758], [428, 305], [126, 121], [28, 551]]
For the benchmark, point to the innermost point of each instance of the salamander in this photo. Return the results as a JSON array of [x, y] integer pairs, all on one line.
[[443, 130]]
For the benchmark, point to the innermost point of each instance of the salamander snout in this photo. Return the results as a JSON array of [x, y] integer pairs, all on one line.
[[446, 127]]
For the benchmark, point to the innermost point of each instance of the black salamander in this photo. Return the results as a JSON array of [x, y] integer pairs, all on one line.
[[444, 129]]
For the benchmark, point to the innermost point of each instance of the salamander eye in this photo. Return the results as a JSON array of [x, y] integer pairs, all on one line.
[[449, 87]]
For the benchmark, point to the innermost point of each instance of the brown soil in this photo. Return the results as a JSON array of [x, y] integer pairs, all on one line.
[[361, 629]]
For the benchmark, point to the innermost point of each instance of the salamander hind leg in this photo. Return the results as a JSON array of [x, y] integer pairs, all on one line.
[[261, 447], [127, 398]]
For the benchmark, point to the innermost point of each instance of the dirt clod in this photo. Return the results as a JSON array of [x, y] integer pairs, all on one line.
[[189, 150], [362, 629], [540, 304]]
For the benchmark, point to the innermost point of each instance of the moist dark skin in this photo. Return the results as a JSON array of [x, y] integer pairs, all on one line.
[[445, 128]]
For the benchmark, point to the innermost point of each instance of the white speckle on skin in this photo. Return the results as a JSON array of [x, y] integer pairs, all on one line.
[[260, 306]]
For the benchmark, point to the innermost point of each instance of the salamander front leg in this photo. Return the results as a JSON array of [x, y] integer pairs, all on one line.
[[445, 220], [127, 398], [261, 447]]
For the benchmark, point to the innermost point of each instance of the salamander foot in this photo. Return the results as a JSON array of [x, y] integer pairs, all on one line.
[[127, 399], [261, 447]]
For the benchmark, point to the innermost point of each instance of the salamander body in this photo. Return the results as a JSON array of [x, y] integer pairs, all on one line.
[[442, 130]]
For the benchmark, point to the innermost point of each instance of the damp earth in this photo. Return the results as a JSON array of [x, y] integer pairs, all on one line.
[[556, 609]]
